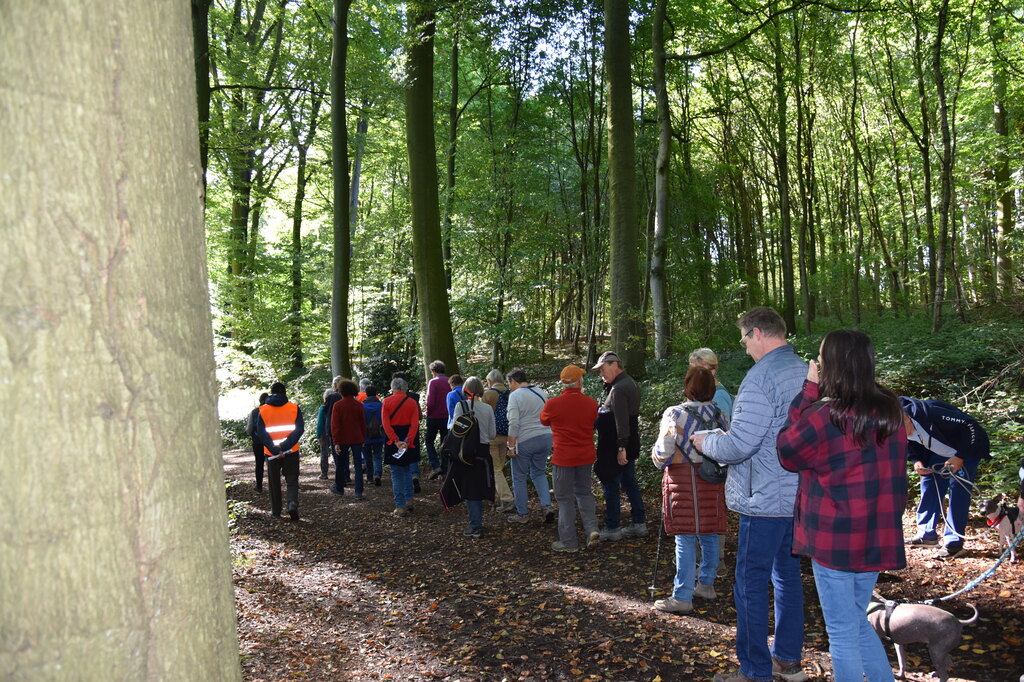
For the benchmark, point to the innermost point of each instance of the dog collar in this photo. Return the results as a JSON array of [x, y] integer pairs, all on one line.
[[996, 521]]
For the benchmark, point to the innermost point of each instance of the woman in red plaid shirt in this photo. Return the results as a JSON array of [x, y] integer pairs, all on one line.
[[845, 437]]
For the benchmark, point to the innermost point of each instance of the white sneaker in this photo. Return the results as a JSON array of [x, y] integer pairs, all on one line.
[[704, 591], [673, 605]]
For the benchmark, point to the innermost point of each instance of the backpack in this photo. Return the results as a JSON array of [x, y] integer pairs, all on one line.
[[463, 437], [374, 427], [250, 423], [501, 412], [709, 470]]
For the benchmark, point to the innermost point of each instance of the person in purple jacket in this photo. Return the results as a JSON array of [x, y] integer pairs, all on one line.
[[437, 415]]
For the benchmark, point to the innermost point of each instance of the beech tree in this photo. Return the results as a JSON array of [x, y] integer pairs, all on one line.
[[115, 557]]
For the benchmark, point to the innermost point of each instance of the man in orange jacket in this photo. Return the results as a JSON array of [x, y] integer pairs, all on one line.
[[279, 427]]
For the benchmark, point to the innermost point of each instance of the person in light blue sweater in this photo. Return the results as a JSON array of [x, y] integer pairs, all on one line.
[[764, 495], [706, 358]]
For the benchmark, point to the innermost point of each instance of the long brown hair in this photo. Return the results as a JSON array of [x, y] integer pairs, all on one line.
[[856, 401]]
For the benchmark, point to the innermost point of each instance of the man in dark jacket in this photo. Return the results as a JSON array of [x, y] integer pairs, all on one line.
[[618, 447], [257, 444], [953, 442], [279, 427]]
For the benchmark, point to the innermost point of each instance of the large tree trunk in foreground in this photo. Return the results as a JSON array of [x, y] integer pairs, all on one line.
[[115, 557], [628, 338], [342, 274], [428, 263]]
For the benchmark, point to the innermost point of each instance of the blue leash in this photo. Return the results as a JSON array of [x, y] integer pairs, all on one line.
[[974, 583]]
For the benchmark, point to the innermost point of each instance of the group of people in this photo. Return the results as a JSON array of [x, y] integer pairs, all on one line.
[[815, 454]]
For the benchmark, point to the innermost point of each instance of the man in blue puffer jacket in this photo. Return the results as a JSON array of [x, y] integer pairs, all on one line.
[[764, 495]]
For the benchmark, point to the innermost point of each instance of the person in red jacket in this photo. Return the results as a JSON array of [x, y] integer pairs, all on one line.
[[348, 431], [571, 417], [693, 510]]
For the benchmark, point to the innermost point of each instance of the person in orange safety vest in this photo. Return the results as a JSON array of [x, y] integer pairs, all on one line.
[[279, 428]]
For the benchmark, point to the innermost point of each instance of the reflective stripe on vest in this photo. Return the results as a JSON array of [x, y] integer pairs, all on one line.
[[279, 421]]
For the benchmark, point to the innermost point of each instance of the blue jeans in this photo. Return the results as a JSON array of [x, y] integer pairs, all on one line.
[[373, 453], [401, 485], [436, 426], [476, 513], [686, 555], [933, 491], [627, 480], [762, 555], [531, 462], [341, 466], [855, 648]]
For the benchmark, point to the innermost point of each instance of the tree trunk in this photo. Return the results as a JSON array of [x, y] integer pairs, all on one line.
[[342, 273], [1005, 233], [946, 191], [449, 185], [106, 328], [302, 147], [428, 263], [201, 49], [782, 169], [662, 325], [628, 337]]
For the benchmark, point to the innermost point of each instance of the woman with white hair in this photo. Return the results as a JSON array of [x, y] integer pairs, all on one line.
[[475, 481], [706, 358]]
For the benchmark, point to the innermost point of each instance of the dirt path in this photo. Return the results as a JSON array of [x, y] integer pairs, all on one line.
[[349, 592]]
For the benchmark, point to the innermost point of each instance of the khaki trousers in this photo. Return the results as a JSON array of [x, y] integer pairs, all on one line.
[[499, 454]]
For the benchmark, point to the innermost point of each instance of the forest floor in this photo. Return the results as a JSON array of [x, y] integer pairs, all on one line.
[[351, 593]]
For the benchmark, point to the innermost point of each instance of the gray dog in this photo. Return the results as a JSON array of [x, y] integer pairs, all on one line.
[[912, 623]]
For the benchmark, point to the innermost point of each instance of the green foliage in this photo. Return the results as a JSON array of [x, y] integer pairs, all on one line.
[[233, 435]]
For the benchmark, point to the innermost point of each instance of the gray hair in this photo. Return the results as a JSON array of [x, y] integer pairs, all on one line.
[[495, 376], [704, 356], [764, 318], [337, 381], [399, 384], [474, 385], [575, 384], [363, 383], [328, 392]]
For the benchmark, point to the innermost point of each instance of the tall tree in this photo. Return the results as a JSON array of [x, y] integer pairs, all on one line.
[[201, 48], [628, 337], [1001, 171], [340, 360], [428, 262], [128, 574], [662, 322]]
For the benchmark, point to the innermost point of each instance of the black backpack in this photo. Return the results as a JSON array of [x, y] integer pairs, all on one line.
[[375, 427], [463, 437], [709, 470]]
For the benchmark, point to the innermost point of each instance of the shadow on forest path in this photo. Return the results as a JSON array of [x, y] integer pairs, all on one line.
[[350, 592]]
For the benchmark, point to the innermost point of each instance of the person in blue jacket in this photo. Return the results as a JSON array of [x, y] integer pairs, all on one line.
[[945, 446]]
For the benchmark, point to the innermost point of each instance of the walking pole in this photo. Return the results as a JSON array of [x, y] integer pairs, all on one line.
[[657, 557]]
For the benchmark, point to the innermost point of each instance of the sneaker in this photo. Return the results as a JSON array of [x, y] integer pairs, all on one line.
[[557, 546], [593, 539], [505, 507], [259, 488], [704, 591], [930, 540], [951, 551], [549, 514], [788, 672], [323, 477], [436, 474], [359, 498], [293, 510], [275, 515], [416, 485], [673, 605], [400, 511], [335, 490], [376, 481], [473, 533], [636, 530], [734, 676], [610, 534], [517, 518]]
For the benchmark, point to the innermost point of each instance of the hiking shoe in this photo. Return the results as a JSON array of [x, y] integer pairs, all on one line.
[[323, 477], [435, 474], [275, 515], [376, 481], [734, 676], [593, 539], [673, 605], [951, 551], [517, 518], [549, 514], [923, 540], [416, 485], [259, 488], [610, 534], [293, 510], [359, 498], [557, 546], [473, 533], [704, 591], [788, 672], [636, 530], [400, 511], [335, 490], [505, 507]]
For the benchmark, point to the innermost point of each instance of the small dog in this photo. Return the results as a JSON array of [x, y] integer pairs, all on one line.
[[912, 623], [1006, 519]]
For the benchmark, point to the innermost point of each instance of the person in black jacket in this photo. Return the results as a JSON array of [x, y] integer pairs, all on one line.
[[257, 445], [946, 445]]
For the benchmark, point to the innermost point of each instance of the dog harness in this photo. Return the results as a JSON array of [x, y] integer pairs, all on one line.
[[1005, 511], [889, 606]]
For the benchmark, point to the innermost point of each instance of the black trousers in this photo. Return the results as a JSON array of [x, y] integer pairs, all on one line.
[[289, 466], [257, 453]]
